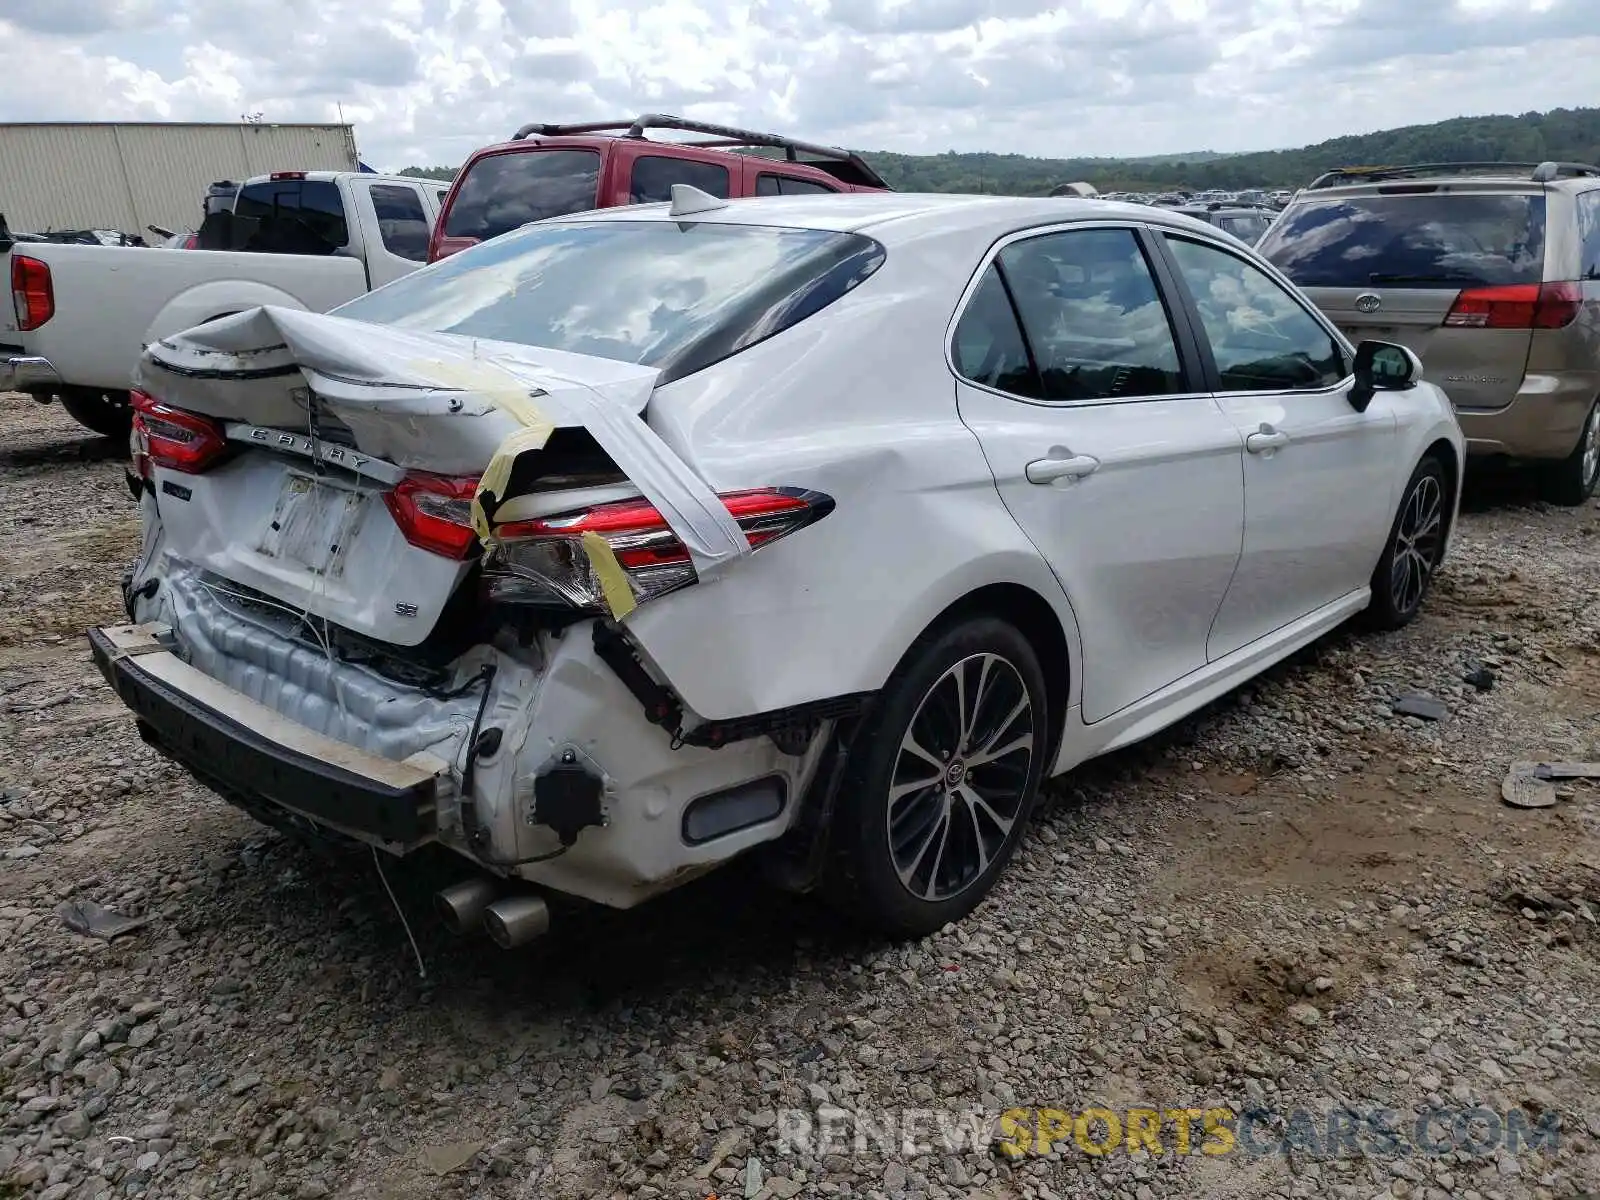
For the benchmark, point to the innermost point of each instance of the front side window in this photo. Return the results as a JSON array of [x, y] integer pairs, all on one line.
[[502, 192], [402, 223], [1262, 338], [654, 175], [1092, 315], [659, 293]]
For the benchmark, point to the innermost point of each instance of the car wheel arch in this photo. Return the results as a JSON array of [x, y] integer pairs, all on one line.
[[1037, 620], [1442, 450]]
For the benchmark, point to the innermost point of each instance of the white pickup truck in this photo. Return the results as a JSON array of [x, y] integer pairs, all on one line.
[[82, 315]]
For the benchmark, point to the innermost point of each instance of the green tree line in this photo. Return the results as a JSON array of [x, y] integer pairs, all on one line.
[[1565, 134]]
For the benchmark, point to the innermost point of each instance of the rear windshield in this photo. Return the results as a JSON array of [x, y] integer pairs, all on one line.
[[658, 293], [1246, 228], [1436, 239], [502, 192], [291, 216]]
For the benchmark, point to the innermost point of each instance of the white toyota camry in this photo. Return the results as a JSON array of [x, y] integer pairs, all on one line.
[[636, 540]]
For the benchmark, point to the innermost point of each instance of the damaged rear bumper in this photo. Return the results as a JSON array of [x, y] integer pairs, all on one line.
[[248, 751]]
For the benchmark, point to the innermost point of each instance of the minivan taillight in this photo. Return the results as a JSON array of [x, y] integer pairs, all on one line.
[[1517, 306], [164, 436], [33, 295], [548, 560], [434, 512]]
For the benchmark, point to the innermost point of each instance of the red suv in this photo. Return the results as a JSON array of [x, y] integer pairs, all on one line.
[[549, 170]]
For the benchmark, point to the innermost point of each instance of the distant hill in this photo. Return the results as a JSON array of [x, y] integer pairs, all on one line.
[[1566, 134]]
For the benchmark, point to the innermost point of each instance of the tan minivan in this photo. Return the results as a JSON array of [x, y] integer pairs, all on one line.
[[1491, 273]]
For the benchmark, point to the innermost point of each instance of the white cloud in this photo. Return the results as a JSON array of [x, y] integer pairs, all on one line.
[[426, 81]]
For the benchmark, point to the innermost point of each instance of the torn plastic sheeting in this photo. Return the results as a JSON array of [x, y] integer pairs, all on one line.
[[481, 404]]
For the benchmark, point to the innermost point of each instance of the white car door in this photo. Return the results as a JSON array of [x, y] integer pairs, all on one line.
[[1107, 451], [396, 220], [1319, 476]]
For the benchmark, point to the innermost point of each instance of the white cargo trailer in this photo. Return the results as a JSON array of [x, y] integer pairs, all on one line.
[[129, 175]]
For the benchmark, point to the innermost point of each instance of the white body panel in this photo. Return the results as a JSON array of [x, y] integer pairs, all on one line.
[[1317, 508], [1145, 575], [1177, 528], [110, 302]]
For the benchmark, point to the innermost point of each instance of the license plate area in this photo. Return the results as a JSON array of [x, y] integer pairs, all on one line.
[[314, 524]]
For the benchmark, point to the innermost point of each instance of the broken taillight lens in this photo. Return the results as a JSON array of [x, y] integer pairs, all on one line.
[[434, 512], [164, 436], [545, 560]]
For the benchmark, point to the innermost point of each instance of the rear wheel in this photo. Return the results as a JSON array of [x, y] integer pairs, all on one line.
[[949, 772], [1416, 543], [1572, 480], [106, 413]]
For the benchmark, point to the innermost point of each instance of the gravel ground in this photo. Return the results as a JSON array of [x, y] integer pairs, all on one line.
[[1294, 901]]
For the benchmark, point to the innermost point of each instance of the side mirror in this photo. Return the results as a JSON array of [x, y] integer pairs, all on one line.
[[1382, 367]]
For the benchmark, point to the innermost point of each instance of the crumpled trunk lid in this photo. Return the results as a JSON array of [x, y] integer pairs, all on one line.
[[326, 415]]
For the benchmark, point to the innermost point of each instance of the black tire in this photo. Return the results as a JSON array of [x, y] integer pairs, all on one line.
[[106, 413], [1405, 570], [1572, 481], [983, 807]]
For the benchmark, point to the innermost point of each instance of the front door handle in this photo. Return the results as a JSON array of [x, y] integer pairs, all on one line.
[[1266, 438], [1061, 465]]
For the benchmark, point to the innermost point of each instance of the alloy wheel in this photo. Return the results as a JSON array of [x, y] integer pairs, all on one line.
[[1591, 448], [1416, 543], [960, 777]]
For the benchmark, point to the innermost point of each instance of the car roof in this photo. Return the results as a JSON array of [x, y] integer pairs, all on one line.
[[898, 215]]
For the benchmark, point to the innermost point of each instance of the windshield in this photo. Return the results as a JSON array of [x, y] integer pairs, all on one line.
[[502, 192], [658, 293], [1431, 239]]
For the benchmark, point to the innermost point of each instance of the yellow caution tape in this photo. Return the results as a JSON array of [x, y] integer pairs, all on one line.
[[511, 396], [614, 586]]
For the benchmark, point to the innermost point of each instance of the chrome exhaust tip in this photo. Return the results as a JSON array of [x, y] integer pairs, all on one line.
[[461, 906], [516, 920]]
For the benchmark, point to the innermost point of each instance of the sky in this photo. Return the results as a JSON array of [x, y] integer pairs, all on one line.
[[427, 81]]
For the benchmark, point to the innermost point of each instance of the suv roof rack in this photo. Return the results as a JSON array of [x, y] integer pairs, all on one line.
[[1543, 172], [844, 165]]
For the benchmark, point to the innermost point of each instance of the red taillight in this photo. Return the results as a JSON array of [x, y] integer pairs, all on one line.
[[278, 176], [33, 296], [169, 437], [545, 560], [1517, 306], [434, 512]]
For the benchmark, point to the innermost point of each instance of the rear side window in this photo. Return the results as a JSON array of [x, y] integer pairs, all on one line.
[[502, 192], [654, 175], [787, 185], [988, 347], [402, 223], [293, 216], [1431, 239], [649, 292], [1589, 230], [1092, 315]]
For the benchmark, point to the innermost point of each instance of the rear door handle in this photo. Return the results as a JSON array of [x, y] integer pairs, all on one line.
[[1264, 439], [1061, 465]]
